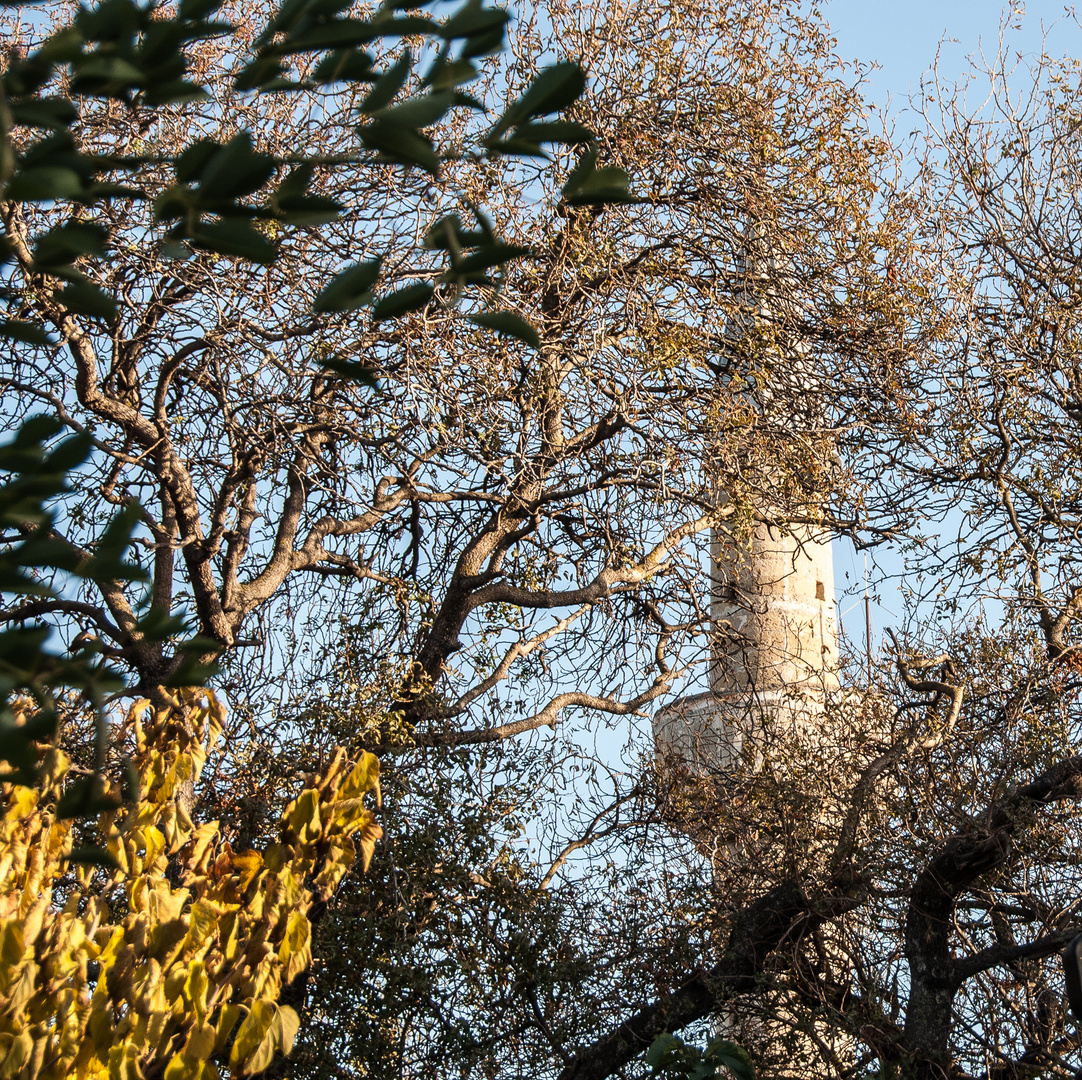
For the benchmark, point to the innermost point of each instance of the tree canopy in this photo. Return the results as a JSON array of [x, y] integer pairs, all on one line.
[[423, 375]]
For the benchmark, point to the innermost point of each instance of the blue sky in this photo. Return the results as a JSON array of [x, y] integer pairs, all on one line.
[[904, 36]]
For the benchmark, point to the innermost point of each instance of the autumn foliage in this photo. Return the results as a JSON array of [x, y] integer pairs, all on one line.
[[168, 957]]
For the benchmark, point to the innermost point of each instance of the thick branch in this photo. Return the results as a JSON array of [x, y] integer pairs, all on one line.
[[762, 927], [963, 859], [547, 717], [1001, 955]]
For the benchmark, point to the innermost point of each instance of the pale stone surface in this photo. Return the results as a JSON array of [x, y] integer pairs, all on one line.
[[774, 613], [774, 696], [774, 651]]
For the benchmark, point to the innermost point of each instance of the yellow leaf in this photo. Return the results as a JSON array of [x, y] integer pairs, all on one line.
[[350, 814], [227, 1020], [303, 817], [216, 717], [332, 774], [109, 939], [200, 1044], [275, 857], [159, 1025], [35, 917], [253, 1048], [119, 851], [153, 843], [229, 935], [267, 1030], [339, 857], [124, 1062], [139, 894], [21, 803], [166, 904], [180, 1068], [23, 988], [186, 1068], [196, 987], [53, 768], [11, 944], [197, 854], [365, 838], [175, 978], [202, 924], [295, 951], [363, 779], [246, 864], [22, 1046]]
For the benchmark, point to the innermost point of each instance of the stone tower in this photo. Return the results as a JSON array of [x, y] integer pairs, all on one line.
[[733, 759], [774, 650], [774, 647]]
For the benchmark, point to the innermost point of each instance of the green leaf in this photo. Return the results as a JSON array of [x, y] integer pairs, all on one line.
[[342, 33], [400, 144], [62, 46], [55, 150], [192, 669], [90, 855], [50, 113], [446, 74], [233, 238], [86, 299], [509, 324], [96, 68], [350, 289], [263, 73], [44, 184], [175, 92], [175, 202], [32, 433], [67, 456], [494, 41], [732, 1057], [308, 210], [608, 185], [193, 159], [193, 10], [422, 111], [235, 169], [20, 754], [70, 242], [411, 298], [588, 185], [26, 332], [662, 1050], [474, 20], [342, 65], [294, 206], [109, 563], [486, 256], [528, 138], [84, 798], [387, 85], [554, 89], [109, 20], [284, 19], [352, 370], [387, 27], [295, 182]]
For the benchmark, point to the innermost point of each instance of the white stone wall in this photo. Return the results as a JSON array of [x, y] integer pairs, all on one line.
[[774, 653]]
